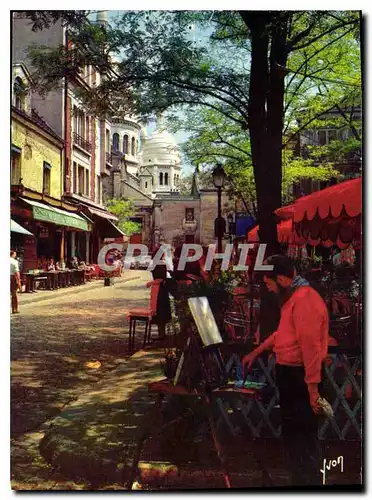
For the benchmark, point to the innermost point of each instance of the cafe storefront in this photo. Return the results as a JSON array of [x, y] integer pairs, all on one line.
[[51, 227]]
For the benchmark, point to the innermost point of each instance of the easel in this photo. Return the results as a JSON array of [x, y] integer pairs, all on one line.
[[206, 391]]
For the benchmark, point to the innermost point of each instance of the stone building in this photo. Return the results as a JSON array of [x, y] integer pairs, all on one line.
[[164, 214]]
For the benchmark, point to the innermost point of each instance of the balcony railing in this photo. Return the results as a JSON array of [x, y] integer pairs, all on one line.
[[109, 158], [82, 143]]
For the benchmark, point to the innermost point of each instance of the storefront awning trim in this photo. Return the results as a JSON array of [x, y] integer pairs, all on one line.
[[57, 216], [17, 228], [117, 229], [101, 213]]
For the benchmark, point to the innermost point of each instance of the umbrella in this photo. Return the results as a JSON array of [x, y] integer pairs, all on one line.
[[285, 233], [330, 216]]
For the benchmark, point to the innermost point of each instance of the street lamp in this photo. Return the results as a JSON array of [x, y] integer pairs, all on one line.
[[219, 176]]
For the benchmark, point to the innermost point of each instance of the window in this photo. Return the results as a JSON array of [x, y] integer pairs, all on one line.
[[145, 185], [322, 137], [125, 145], [189, 214], [161, 178], [87, 136], [133, 146], [166, 178], [107, 140], [115, 142], [20, 92], [332, 135], [46, 178], [98, 192], [87, 182], [15, 172], [81, 180], [75, 119], [74, 177]]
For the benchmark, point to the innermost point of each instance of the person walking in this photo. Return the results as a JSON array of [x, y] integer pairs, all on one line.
[[300, 344], [15, 281]]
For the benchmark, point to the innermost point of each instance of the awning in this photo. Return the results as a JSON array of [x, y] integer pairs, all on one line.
[[16, 228], [114, 235], [344, 199], [108, 229], [285, 231], [117, 229], [102, 213], [285, 213], [57, 216], [328, 217]]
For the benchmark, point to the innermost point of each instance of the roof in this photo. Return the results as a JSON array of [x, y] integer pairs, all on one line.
[[37, 120]]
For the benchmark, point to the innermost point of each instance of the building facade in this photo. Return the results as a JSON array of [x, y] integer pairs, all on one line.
[[36, 178], [86, 153], [339, 125]]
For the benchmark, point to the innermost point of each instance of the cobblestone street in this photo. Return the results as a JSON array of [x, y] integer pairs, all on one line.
[[52, 339]]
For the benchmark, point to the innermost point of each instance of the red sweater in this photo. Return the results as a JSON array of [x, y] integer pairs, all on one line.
[[302, 335]]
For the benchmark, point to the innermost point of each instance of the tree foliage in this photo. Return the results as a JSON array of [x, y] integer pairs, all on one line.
[[214, 138], [257, 69], [124, 210]]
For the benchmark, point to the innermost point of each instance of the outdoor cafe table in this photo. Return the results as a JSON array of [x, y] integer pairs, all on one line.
[[58, 279], [55, 279], [31, 279]]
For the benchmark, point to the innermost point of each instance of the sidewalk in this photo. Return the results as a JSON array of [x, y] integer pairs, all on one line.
[[93, 441], [40, 295]]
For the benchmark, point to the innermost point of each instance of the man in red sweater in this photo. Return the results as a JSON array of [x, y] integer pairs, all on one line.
[[300, 344]]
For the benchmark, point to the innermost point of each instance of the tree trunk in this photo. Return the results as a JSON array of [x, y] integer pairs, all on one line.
[[268, 33], [267, 170]]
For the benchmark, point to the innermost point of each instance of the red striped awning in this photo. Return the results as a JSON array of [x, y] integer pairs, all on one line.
[[285, 231], [340, 200]]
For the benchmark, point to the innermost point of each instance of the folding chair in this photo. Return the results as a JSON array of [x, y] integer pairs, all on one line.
[[144, 315]]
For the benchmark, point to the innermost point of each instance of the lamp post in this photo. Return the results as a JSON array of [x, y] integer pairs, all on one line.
[[219, 176]]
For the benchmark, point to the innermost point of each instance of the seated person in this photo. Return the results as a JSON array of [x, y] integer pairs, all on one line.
[[74, 264], [43, 264], [51, 266]]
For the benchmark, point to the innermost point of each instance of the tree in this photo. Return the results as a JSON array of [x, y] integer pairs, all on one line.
[[161, 67], [214, 137], [124, 210]]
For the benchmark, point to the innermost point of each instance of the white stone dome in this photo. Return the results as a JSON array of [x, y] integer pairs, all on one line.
[[160, 149]]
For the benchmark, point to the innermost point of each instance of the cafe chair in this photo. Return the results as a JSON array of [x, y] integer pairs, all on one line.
[[144, 315]]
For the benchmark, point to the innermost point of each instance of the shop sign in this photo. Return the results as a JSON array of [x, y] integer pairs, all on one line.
[[47, 215]]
